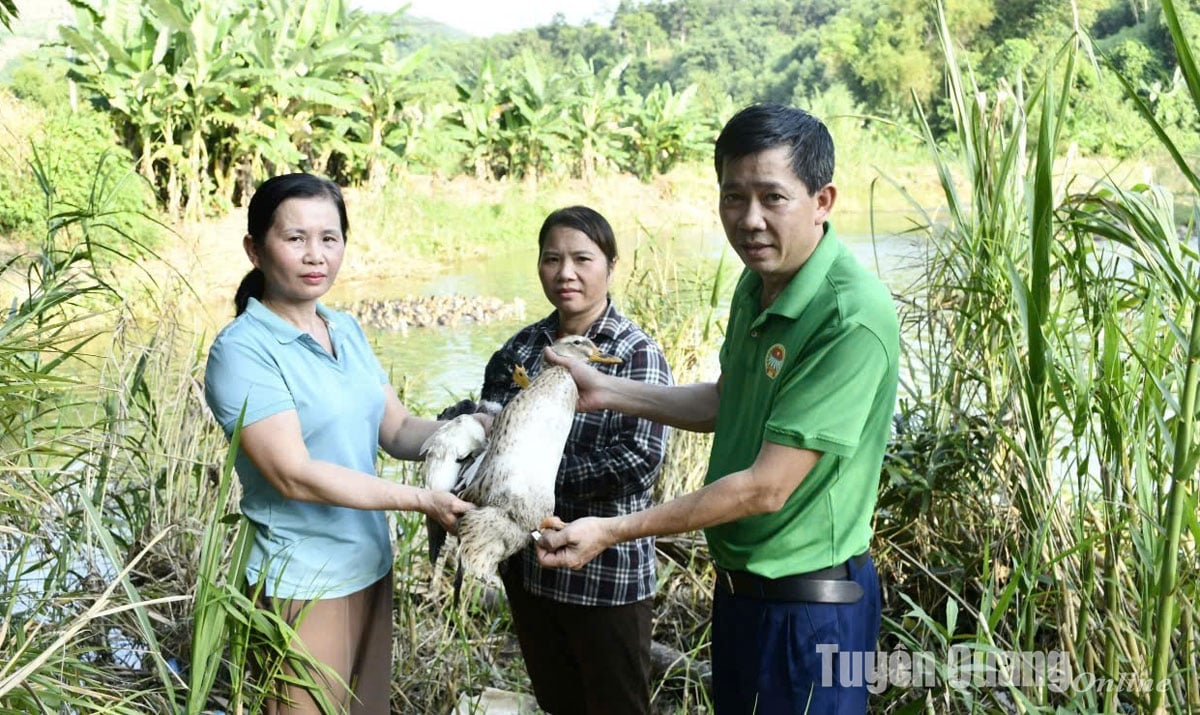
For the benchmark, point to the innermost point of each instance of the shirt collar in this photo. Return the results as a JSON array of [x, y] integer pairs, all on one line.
[[608, 325], [795, 297], [279, 328]]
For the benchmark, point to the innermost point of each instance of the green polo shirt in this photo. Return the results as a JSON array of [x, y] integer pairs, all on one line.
[[816, 370]]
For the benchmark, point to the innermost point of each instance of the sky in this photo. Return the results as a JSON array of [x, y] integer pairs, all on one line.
[[489, 17]]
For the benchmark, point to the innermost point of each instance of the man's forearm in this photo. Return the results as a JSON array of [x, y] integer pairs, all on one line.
[[763, 488], [727, 499], [690, 407]]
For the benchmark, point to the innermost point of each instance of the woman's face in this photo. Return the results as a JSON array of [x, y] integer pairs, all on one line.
[[302, 251], [574, 273]]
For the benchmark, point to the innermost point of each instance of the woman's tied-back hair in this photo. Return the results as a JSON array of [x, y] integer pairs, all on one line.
[[587, 221], [261, 216], [761, 127]]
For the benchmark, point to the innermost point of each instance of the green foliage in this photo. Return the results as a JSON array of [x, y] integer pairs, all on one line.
[[670, 129], [74, 159], [212, 96], [215, 94], [8, 12], [54, 495], [1161, 36], [882, 50], [518, 119], [40, 80], [1103, 120], [1055, 331], [1013, 58]]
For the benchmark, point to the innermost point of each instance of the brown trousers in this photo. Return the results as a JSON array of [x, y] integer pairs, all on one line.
[[583, 660], [352, 637]]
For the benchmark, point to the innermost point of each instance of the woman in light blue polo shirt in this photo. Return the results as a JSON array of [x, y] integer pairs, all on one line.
[[315, 406]]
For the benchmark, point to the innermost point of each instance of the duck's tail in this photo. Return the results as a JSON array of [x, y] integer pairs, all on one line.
[[436, 536], [487, 536]]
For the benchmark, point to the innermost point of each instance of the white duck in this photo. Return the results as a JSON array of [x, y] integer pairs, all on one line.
[[450, 452], [512, 482]]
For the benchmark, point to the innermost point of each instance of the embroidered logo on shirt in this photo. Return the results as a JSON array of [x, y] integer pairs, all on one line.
[[775, 358]]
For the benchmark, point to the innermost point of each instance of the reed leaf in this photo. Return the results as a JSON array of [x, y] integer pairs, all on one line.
[[145, 629], [215, 579]]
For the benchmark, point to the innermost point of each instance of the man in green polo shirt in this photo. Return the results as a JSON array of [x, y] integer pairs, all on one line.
[[801, 415]]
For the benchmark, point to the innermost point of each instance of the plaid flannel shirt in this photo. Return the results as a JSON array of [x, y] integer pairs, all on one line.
[[609, 466]]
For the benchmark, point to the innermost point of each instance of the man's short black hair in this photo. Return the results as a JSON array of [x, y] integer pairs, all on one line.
[[760, 127]]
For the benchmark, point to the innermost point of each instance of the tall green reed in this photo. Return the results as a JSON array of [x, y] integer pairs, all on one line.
[[220, 577], [681, 306], [1185, 452], [1067, 315], [52, 643]]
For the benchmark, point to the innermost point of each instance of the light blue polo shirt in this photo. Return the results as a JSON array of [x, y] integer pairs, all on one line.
[[303, 550]]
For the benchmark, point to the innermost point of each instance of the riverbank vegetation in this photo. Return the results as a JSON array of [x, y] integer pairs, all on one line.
[[1039, 493]]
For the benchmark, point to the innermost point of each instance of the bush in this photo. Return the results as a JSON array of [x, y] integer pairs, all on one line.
[[78, 158], [40, 80]]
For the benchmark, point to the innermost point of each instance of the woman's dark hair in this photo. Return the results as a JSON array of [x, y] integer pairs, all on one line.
[[587, 221], [261, 216]]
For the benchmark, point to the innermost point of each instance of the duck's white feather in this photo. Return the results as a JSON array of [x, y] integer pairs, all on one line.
[[444, 451], [512, 481], [458, 439]]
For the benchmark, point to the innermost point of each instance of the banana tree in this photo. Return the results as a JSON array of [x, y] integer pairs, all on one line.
[[475, 122], [120, 56], [203, 30], [309, 66], [669, 128], [298, 62], [533, 126], [375, 132], [164, 68], [595, 111]]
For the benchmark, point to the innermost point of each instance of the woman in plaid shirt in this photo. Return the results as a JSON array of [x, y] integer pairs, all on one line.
[[585, 635]]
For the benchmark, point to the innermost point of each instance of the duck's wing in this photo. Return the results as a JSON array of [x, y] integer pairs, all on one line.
[[462, 407], [458, 439], [467, 473], [447, 451]]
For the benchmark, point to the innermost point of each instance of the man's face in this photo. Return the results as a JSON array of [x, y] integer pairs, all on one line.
[[769, 217]]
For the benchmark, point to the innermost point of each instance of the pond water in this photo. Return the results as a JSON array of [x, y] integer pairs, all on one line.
[[438, 366]]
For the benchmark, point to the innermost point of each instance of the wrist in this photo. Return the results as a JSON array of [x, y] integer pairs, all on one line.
[[609, 392], [617, 530], [421, 500]]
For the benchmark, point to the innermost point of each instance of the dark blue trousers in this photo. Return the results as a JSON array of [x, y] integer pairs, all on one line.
[[766, 659]]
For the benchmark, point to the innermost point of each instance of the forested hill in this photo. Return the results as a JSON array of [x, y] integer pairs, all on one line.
[[874, 53], [206, 97]]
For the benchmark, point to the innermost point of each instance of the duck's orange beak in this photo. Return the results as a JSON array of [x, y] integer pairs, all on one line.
[[604, 358], [520, 376]]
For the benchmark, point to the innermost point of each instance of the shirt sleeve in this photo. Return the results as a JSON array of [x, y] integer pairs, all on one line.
[[826, 398], [627, 460], [240, 374]]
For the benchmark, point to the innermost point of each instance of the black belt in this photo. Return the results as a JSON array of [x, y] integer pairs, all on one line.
[[831, 585]]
